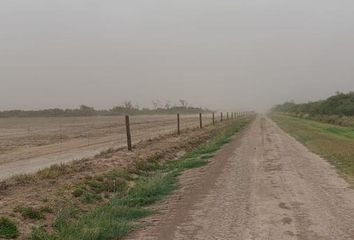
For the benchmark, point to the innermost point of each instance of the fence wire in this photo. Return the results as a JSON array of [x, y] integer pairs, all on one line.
[[76, 137]]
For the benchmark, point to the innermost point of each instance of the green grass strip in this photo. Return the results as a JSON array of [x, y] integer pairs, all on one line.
[[334, 143]]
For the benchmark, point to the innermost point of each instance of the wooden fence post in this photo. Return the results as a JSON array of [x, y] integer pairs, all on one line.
[[213, 118], [178, 124], [129, 137], [200, 120], [221, 117]]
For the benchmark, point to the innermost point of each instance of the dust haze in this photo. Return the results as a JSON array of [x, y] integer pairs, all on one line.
[[221, 54]]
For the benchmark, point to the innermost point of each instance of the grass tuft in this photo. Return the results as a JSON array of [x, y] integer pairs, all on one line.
[[90, 198], [8, 228], [30, 213], [39, 233], [149, 190], [107, 222], [53, 171]]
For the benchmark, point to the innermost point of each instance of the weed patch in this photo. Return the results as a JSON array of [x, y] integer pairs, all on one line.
[[90, 198], [39, 233], [149, 190], [30, 213], [8, 228]]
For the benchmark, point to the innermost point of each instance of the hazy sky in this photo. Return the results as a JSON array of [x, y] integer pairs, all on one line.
[[222, 54]]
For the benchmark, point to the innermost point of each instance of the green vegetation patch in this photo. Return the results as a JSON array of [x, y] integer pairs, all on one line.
[[95, 189], [149, 190], [341, 104], [337, 109], [8, 228], [30, 212]]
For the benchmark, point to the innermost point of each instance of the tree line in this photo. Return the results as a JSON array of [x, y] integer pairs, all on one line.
[[126, 108], [341, 104]]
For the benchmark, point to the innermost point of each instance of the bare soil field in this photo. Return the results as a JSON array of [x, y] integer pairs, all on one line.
[[29, 144]]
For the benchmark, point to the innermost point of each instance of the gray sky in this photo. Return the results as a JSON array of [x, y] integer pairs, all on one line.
[[222, 54]]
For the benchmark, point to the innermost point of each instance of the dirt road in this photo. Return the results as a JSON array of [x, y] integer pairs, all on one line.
[[264, 185]]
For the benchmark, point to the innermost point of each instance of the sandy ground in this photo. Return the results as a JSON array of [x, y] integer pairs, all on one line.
[[30, 144], [264, 185]]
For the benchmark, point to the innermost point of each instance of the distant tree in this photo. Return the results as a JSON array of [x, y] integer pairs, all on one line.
[[167, 105], [183, 103], [128, 105], [85, 108], [126, 108], [338, 104], [155, 104]]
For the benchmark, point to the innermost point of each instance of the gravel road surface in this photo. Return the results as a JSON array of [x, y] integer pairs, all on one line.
[[263, 185]]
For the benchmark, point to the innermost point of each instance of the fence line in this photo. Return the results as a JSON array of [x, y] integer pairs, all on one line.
[[75, 138], [234, 115]]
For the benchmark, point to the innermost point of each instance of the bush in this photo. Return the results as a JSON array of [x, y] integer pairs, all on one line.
[[340, 104]]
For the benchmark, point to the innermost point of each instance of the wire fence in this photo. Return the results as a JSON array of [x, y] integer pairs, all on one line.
[[63, 139]]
